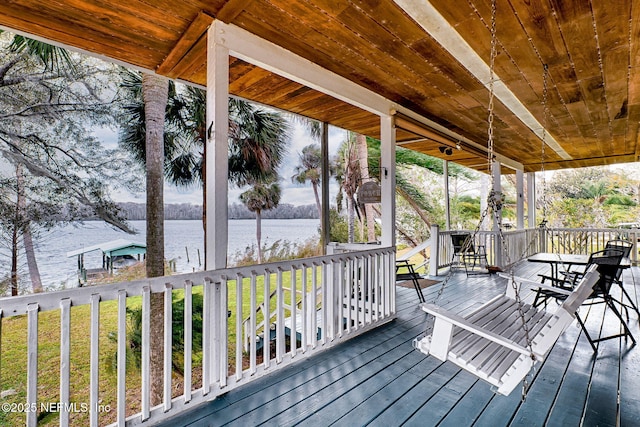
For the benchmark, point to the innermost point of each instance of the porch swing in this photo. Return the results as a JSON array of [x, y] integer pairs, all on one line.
[[503, 340]]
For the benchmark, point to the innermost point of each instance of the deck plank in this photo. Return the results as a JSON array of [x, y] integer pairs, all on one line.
[[601, 406], [541, 395], [436, 408]]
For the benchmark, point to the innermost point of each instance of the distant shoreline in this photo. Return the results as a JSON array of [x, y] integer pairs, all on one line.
[[186, 211]]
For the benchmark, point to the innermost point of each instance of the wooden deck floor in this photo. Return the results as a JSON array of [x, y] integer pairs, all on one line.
[[378, 379]]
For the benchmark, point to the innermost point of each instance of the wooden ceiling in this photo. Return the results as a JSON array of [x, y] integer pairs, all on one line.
[[590, 49]]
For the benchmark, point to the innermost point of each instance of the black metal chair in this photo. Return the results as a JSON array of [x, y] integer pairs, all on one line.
[[608, 266], [405, 271], [465, 254], [625, 247]]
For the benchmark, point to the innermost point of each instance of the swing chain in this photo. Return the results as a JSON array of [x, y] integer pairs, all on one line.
[[495, 200]]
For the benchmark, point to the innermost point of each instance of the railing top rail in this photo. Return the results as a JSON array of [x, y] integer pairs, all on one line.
[[14, 306], [624, 230]]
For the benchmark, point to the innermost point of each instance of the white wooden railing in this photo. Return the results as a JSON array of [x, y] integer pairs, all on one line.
[[355, 293], [587, 240], [507, 247]]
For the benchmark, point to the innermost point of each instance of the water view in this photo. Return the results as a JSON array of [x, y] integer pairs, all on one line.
[[183, 243]]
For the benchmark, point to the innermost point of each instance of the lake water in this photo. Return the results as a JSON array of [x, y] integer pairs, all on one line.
[[183, 241]]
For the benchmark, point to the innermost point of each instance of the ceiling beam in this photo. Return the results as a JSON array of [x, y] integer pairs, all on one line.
[[194, 32], [271, 57], [428, 17]]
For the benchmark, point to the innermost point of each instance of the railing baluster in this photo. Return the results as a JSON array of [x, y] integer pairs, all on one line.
[[377, 283], [0, 344], [304, 335], [94, 360], [32, 362], [238, 345], [168, 334], [294, 310], [122, 357], [65, 352], [314, 309], [188, 338], [370, 285], [280, 342], [266, 339], [207, 336], [222, 307], [325, 303], [339, 286], [146, 348], [361, 291], [252, 324]]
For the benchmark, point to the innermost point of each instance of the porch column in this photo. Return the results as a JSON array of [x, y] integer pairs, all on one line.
[[484, 193], [497, 215], [388, 180], [447, 203], [324, 190], [531, 199], [520, 199], [217, 150]]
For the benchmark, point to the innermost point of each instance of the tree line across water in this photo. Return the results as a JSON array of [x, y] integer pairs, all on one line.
[[186, 211]]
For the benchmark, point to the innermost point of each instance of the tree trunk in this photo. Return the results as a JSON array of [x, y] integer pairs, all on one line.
[[25, 225], [351, 219], [363, 159], [315, 193], [32, 263], [414, 205], [259, 234], [14, 261], [155, 92]]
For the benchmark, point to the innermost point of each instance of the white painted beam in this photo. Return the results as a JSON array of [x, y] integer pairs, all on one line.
[[496, 173], [388, 180], [447, 203], [428, 17], [269, 56], [531, 199], [519, 200]]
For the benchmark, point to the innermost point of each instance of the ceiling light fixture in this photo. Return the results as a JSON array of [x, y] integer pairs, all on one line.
[[445, 150]]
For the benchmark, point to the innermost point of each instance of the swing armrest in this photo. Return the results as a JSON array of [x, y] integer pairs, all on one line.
[[533, 284], [449, 318]]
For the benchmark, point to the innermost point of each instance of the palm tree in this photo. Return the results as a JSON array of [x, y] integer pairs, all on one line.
[[348, 177], [155, 92], [262, 196], [310, 169], [252, 155]]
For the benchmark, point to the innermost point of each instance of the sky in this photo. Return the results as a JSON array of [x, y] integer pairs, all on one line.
[[295, 194]]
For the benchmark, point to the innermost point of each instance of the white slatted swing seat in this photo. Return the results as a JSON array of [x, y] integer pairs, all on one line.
[[492, 342]]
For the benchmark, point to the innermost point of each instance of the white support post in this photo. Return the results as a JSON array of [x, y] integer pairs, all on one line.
[[484, 193], [388, 180], [497, 216], [520, 199], [447, 203], [435, 250], [216, 151], [324, 185], [531, 199]]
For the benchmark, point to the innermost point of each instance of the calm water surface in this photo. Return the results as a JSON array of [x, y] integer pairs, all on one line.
[[183, 242]]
